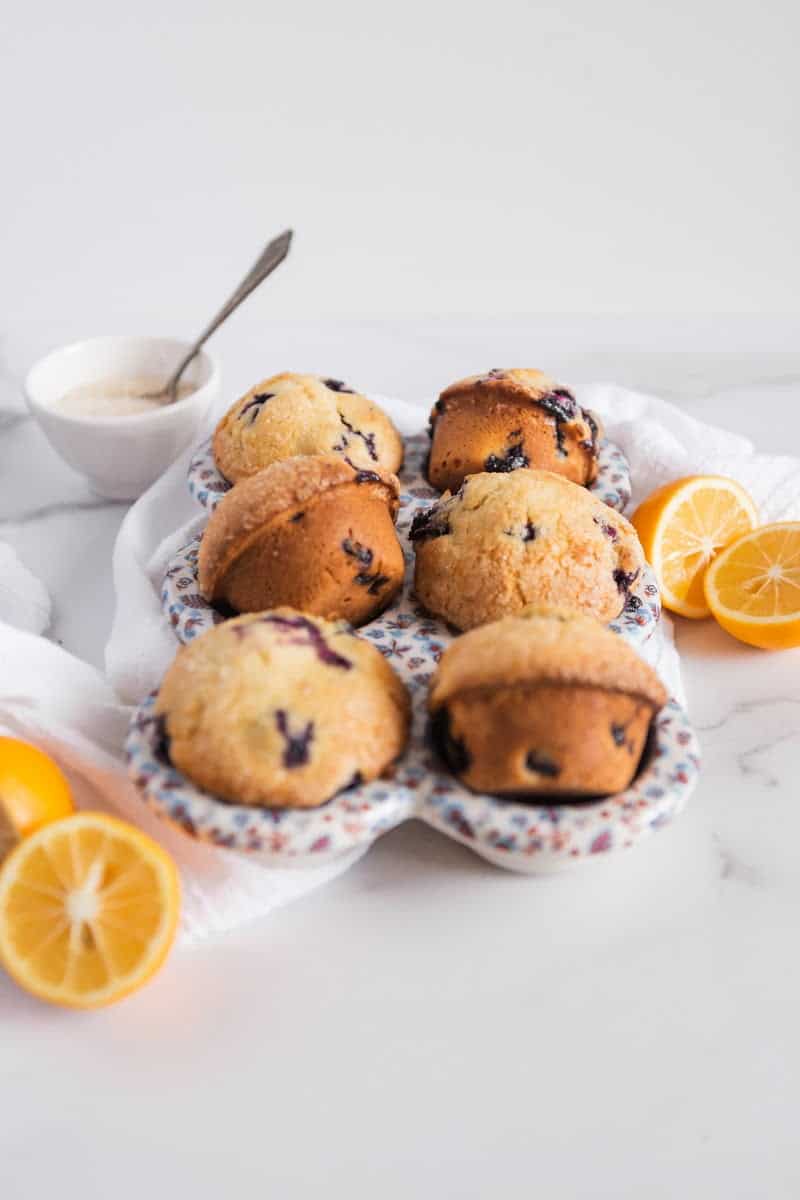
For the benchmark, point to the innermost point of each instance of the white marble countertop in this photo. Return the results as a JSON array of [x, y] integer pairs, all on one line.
[[427, 1025]]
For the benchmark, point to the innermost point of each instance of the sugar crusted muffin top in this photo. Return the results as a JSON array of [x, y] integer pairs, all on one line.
[[526, 386], [292, 414], [544, 645], [507, 540], [279, 708], [284, 485]]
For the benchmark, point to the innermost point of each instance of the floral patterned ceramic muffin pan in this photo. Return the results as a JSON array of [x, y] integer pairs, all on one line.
[[522, 836], [612, 486]]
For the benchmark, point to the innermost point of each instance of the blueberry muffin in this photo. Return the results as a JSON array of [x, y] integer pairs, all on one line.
[[504, 420], [314, 533], [293, 414], [505, 541], [280, 709], [545, 703]]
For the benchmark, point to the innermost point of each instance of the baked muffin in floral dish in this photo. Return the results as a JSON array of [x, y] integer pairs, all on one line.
[[503, 542], [289, 414], [508, 419], [547, 703], [281, 709], [314, 532]]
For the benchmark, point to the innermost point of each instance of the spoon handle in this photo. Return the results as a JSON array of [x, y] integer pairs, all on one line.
[[271, 257]]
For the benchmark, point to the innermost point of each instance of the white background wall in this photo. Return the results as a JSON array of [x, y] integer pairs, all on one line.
[[434, 157]]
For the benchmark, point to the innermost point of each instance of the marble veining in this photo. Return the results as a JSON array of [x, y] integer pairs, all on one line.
[[757, 729], [745, 763], [746, 708], [735, 869], [8, 420]]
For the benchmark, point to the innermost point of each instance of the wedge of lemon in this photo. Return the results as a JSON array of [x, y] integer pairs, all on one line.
[[33, 792], [753, 587], [682, 526], [88, 910]]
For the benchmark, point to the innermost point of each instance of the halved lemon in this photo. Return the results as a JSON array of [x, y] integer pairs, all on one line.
[[682, 526], [88, 910], [753, 587], [33, 792]]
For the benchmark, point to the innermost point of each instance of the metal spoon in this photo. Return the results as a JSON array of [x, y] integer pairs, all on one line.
[[270, 258]]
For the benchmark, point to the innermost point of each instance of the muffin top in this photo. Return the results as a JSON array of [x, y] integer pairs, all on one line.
[[504, 541], [282, 487], [543, 645], [525, 386], [281, 708], [288, 414]]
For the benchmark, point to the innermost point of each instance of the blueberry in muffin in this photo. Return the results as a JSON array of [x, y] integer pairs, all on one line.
[[280, 709], [291, 414], [310, 532], [505, 420], [547, 703], [504, 541]]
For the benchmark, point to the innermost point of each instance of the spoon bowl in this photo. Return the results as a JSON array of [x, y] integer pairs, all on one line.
[[120, 455]]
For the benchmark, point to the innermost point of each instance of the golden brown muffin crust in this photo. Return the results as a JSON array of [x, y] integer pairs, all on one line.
[[544, 646], [543, 739], [546, 703], [284, 486], [282, 709], [507, 419], [528, 537], [523, 385], [292, 414]]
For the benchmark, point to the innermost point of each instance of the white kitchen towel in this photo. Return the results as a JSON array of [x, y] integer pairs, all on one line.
[[62, 703], [662, 442]]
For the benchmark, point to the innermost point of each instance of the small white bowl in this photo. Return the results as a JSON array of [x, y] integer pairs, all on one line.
[[120, 456]]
